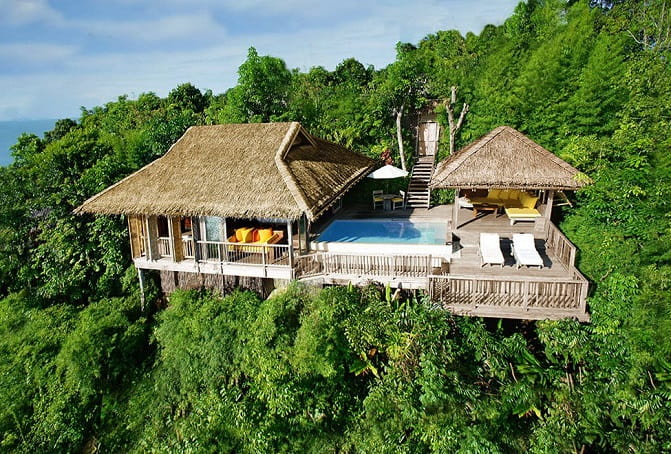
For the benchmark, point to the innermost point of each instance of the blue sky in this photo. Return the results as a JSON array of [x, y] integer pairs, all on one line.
[[59, 55]]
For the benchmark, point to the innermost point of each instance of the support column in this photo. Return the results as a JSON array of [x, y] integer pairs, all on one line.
[[140, 276], [303, 245], [224, 230], [455, 210], [176, 245], [290, 234], [548, 204], [195, 230]]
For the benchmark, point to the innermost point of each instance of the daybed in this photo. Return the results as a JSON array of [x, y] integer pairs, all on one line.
[[518, 205]]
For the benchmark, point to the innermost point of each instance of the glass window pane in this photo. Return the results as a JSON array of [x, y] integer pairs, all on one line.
[[213, 228]]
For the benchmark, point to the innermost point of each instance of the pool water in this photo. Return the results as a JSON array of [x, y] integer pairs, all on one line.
[[384, 231]]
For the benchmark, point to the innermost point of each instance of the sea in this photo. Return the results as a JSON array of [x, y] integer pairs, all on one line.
[[11, 130]]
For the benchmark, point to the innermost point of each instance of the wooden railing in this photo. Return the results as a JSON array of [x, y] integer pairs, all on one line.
[[164, 246], [525, 296], [363, 265], [557, 244], [188, 247], [224, 251], [306, 266]]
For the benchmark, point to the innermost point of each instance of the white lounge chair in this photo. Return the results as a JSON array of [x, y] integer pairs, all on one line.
[[524, 250], [490, 249]]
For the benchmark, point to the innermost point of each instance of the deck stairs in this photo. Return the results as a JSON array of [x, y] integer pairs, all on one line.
[[419, 195]]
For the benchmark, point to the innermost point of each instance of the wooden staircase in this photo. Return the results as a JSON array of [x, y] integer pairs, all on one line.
[[419, 195]]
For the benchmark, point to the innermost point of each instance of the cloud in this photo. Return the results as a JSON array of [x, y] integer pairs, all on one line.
[[185, 26], [200, 49], [36, 53], [22, 12]]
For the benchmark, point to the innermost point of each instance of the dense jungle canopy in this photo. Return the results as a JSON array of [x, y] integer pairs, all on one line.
[[345, 369]]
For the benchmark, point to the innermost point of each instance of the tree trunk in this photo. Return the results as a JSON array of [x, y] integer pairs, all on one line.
[[453, 128], [399, 136]]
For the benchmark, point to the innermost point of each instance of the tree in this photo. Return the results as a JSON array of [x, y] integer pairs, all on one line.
[[186, 96], [262, 92], [453, 127], [402, 88]]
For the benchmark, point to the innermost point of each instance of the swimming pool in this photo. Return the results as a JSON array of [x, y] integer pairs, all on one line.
[[386, 237], [377, 231]]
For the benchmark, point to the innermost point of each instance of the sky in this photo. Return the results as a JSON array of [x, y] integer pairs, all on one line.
[[58, 56]]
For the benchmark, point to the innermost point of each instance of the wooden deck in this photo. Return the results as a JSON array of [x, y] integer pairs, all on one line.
[[464, 286], [454, 278]]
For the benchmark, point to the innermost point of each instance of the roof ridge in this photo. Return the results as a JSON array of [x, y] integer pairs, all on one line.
[[285, 172]]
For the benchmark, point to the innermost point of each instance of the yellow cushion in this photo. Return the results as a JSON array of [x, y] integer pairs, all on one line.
[[494, 193], [527, 200], [516, 194], [244, 235], [522, 213], [264, 235]]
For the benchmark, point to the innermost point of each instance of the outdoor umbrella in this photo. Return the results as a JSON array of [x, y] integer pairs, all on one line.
[[387, 172]]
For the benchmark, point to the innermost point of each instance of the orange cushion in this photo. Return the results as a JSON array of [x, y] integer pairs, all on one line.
[[264, 235], [244, 235]]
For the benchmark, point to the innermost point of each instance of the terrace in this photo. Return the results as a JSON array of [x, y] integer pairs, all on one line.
[[188, 212]]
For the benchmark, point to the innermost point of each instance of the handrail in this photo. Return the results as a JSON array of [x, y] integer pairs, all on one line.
[[373, 265], [243, 253], [510, 293], [560, 246]]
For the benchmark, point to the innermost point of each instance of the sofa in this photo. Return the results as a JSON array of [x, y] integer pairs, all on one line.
[[518, 205], [250, 239]]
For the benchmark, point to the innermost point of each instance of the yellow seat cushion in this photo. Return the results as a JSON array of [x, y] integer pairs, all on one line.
[[264, 235], [522, 213], [494, 194], [244, 235]]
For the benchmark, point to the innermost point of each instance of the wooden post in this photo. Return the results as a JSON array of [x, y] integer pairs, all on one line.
[[455, 210], [176, 245], [548, 204], [291, 243], [225, 231], [152, 238], [195, 231], [141, 279]]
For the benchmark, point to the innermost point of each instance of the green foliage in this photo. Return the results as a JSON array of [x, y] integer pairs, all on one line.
[[342, 369], [262, 91]]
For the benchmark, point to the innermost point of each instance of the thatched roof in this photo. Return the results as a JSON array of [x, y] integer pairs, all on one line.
[[261, 170], [506, 158]]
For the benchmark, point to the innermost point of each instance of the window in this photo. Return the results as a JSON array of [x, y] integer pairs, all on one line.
[[213, 228]]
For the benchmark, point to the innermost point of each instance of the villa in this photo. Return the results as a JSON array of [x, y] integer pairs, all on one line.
[[258, 205]]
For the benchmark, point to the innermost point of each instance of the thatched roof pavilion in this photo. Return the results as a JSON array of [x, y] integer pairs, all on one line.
[[262, 170], [506, 158]]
